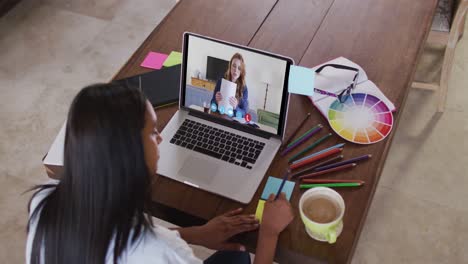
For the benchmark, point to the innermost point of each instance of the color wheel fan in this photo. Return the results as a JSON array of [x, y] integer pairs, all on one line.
[[361, 118]]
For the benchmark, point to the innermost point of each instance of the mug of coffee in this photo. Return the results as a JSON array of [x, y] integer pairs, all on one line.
[[322, 211]]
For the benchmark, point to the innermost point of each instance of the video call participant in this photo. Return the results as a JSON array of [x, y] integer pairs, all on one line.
[[236, 74], [96, 213]]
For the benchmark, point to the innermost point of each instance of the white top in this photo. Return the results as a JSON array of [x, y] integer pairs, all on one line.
[[164, 246]]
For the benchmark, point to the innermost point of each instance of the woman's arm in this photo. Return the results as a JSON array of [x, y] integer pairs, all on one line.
[[276, 217], [215, 233], [217, 89], [266, 247], [243, 105]]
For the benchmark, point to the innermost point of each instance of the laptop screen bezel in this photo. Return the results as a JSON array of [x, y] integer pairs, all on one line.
[[284, 100]]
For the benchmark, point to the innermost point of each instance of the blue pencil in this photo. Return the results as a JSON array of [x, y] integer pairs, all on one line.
[[285, 177], [319, 152]]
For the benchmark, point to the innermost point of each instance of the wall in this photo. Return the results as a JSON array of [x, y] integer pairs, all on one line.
[[256, 65]]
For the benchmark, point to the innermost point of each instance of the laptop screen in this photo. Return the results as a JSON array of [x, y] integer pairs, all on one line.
[[235, 83]]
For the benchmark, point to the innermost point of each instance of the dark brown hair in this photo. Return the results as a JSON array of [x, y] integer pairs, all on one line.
[[105, 187]]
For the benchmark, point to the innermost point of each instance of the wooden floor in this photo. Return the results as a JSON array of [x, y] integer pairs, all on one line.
[[6, 5]]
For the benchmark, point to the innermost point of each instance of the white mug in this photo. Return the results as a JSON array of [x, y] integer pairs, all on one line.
[[326, 232]]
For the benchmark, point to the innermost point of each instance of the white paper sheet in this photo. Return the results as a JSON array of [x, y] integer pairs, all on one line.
[[55, 154], [228, 89]]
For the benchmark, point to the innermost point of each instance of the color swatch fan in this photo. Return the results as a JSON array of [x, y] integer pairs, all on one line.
[[362, 118]]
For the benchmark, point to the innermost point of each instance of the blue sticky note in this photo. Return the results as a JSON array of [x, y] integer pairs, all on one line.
[[301, 80], [272, 186]]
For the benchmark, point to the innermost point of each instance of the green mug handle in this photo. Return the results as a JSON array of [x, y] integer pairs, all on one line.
[[331, 235]]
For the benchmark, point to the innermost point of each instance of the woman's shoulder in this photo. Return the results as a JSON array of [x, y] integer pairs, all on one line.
[[161, 244]]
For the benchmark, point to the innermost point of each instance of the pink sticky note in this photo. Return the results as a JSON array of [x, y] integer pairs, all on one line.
[[154, 60]]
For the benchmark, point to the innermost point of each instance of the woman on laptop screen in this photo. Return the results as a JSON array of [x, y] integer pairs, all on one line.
[[97, 212], [235, 75]]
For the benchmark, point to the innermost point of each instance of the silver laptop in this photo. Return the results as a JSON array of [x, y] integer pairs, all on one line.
[[231, 118]]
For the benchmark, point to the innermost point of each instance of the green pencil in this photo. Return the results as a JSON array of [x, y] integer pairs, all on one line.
[[305, 134], [316, 143], [343, 184]]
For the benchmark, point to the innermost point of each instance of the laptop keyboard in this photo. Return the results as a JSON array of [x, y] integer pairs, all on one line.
[[218, 143]]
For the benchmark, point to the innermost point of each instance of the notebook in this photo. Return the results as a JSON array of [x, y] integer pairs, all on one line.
[[161, 87]]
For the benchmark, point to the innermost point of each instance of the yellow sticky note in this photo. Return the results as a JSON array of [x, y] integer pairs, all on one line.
[[174, 58], [259, 212]]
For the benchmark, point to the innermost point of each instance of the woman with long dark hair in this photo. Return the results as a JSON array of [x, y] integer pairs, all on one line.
[[96, 212]]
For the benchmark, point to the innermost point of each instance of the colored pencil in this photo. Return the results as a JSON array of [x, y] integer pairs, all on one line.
[[343, 167], [315, 158], [319, 152], [313, 145], [303, 139], [297, 130], [285, 177], [344, 184], [329, 181], [302, 136], [325, 162], [360, 158]]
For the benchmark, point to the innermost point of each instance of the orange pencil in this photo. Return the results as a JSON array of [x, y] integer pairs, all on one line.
[[351, 165], [330, 181], [315, 158]]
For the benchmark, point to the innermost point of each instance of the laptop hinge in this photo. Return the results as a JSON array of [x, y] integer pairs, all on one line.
[[230, 123]]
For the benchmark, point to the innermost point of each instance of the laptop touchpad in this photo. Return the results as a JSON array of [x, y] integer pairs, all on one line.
[[199, 170]]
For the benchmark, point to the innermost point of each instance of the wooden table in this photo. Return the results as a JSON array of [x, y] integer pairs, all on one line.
[[385, 37]]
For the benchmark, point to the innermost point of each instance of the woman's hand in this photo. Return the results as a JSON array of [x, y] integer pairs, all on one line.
[[233, 102], [277, 215], [218, 230], [218, 97]]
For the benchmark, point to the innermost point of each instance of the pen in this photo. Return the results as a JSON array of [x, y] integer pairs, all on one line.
[[285, 177]]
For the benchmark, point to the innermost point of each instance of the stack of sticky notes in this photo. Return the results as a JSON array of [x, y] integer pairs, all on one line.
[[272, 186], [156, 60]]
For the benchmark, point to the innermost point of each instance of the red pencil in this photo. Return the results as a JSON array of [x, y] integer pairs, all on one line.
[[320, 164], [315, 158], [330, 181], [351, 165]]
